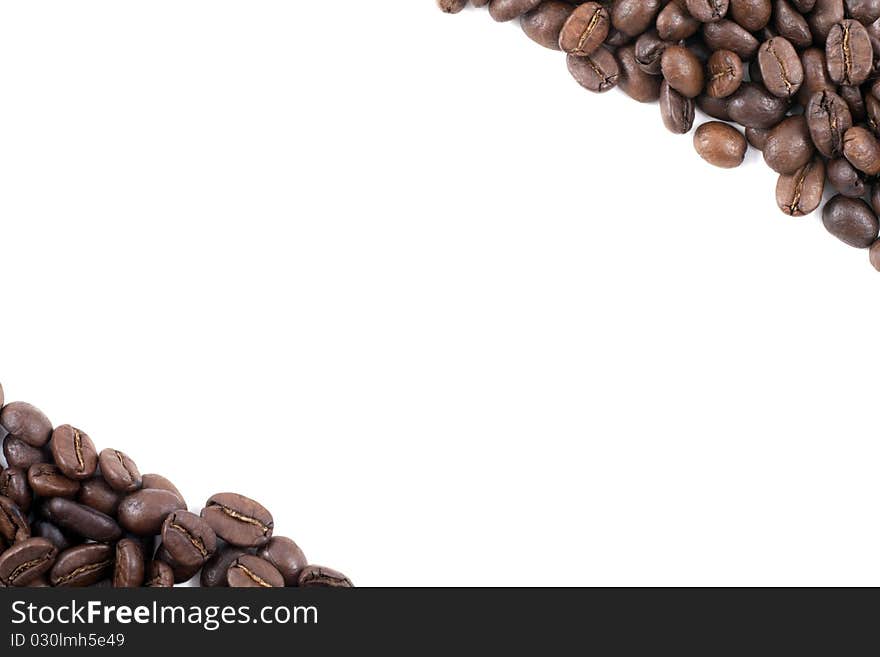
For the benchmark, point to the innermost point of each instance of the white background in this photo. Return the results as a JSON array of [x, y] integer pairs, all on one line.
[[454, 319]]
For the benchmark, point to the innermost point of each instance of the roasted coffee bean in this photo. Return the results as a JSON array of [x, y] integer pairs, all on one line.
[[188, 539], [861, 148], [682, 70], [632, 17], [321, 577], [707, 11], [674, 23], [676, 110], [724, 74], [851, 221], [727, 35], [286, 556], [717, 108], [52, 533], [781, 68], [875, 198], [874, 255], [161, 483], [849, 53], [597, 72], [798, 194], [74, 452], [845, 178], [215, 569], [96, 493], [252, 572], [83, 565], [720, 144], [21, 455], [789, 146], [81, 520], [119, 471], [825, 15], [828, 118], [238, 520], [864, 11], [159, 575], [752, 15], [585, 30], [792, 25], [14, 526], [757, 137], [46, 480], [507, 10], [633, 80], [543, 24], [649, 52], [451, 6], [143, 512], [26, 561], [14, 485], [754, 107], [26, 423], [182, 572], [815, 75], [129, 567], [616, 38], [852, 96]]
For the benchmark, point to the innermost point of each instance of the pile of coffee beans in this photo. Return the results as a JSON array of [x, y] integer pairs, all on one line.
[[801, 77], [73, 516]]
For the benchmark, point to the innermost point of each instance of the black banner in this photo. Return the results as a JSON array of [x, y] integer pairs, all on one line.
[[452, 621]]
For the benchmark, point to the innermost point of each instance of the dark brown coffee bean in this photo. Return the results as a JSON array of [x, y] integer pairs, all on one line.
[[96, 493], [874, 255], [21, 455], [321, 577], [676, 110], [633, 17], [720, 144], [238, 520], [789, 146], [159, 575], [707, 11], [52, 533], [861, 148], [864, 11], [724, 73], [851, 221], [507, 10], [143, 512], [129, 568], [633, 80], [14, 526], [182, 573], [798, 194], [789, 23], [597, 72], [649, 52], [849, 53], [752, 15], [451, 6], [828, 118], [845, 178], [27, 423], [815, 75], [825, 15], [286, 556], [119, 471], [26, 561], [754, 107], [683, 71], [616, 38], [585, 30], [14, 485], [781, 68], [81, 520], [757, 137], [727, 35], [46, 480], [215, 569], [74, 452], [875, 197], [674, 23], [161, 483], [852, 96], [83, 565], [249, 571], [543, 25], [188, 539]]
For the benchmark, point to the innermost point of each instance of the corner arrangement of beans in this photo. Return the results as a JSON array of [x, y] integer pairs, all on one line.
[[802, 77], [71, 516]]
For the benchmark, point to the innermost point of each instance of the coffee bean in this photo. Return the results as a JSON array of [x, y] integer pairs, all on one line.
[[792, 25], [143, 512], [861, 148], [674, 23], [52, 533], [828, 118], [286, 556], [252, 572], [754, 107], [781, 68], [96, 493], [815, 75], [724, 73], [864, 11], [188, 539], [161, 483], [26, 561], [853, 98], [676, 110], [182, 572], [752, 15], [14, 526], [451, 6], [81, 520], [543, 24], [789, 146], [46, 480], [757, 137], [720, 144], [707, 11], [874, 255], [585, 30], [26, 423], [597, 72], [238, 520], [849, 53], [649, 52], [83, 565], [129, 568], [321, 577], [14, 485], [851, 221], [215, 569], [633, 17], [798, 194], [119, 471], [727, 35], [825, 15], [21, 455], [682, 71], [846, 178], [507, 10], [159, 575], [74, 452], [633, 80]]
